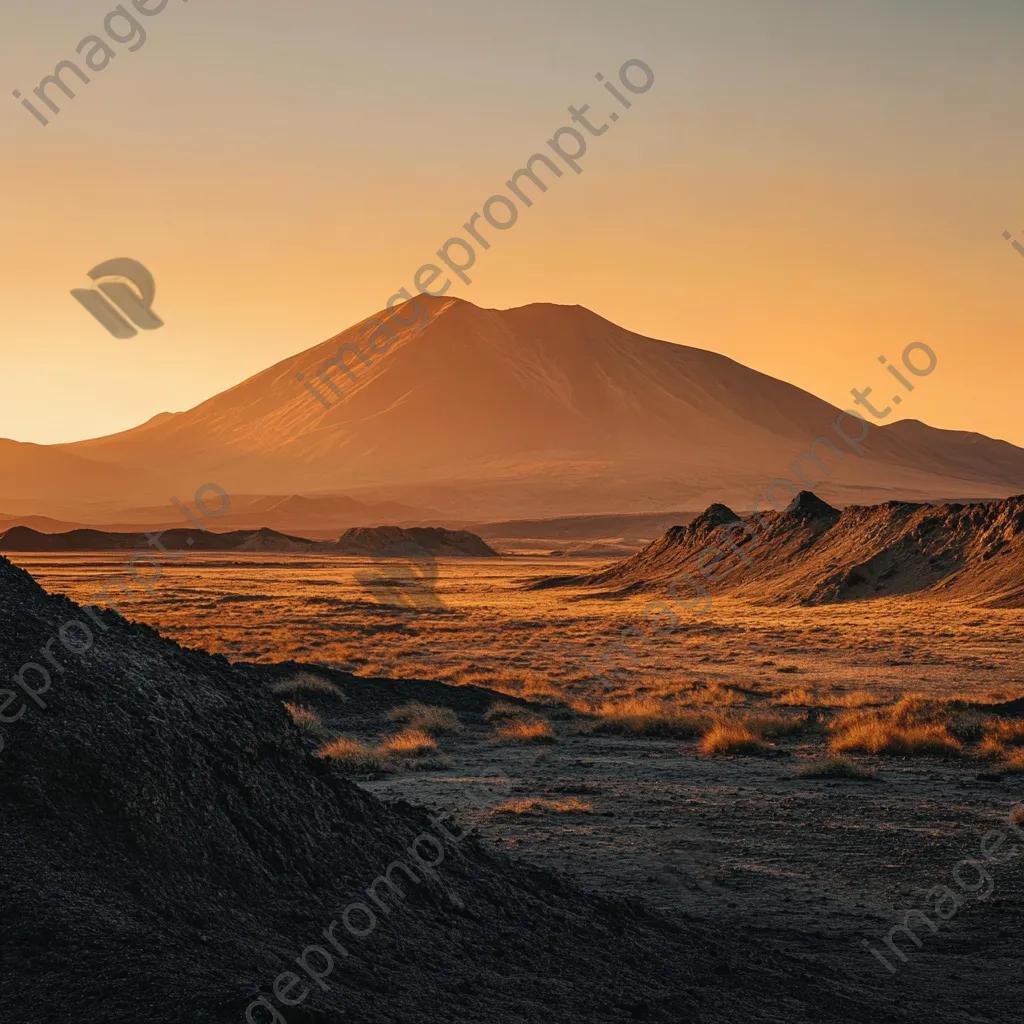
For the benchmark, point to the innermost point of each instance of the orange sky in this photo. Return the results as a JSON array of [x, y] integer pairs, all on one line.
[[801, 189]]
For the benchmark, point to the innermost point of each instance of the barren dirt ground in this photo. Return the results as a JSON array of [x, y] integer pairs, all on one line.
[[809, 866]]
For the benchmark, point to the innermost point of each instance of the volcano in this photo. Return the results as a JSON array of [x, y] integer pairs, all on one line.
[[479, 413]]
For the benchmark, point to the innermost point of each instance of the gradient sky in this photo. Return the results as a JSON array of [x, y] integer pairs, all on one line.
[[809, 184]]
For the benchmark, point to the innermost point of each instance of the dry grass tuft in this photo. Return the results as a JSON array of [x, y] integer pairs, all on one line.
[[732, 738], [645, 716], [878, 736], [427, 718], [1013, 764], [359, 756], [923, 726], [833, 768], [1006, 730], [408, 743], [525, 731], [353, 754], [1017, 816], [306, 682], [990, 747], [307, 721], [537, 806]]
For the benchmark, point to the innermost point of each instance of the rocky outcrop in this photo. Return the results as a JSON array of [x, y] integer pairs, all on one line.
[[813, 554]]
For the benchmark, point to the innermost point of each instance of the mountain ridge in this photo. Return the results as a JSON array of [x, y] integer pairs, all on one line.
[[811, 553]]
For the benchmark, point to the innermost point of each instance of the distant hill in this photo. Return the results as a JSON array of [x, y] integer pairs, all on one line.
[[812, 553], [322, 517], [540, 411], [44, 524], [356, 541], [22, 538]]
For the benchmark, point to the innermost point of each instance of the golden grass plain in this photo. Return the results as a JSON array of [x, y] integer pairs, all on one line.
[[544, 644]]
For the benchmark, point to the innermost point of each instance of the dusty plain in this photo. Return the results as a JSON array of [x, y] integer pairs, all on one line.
[[809, 866]]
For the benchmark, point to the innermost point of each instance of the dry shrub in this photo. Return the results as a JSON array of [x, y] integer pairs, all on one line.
[[877, 736], [408, 743], [915, 710], [537, 806], [308, 722], [427, 718], [833, 768], [306, 682], [353, 754], [1017, 816], [525, 731], [914, 725], [731, 738], [645, 716]]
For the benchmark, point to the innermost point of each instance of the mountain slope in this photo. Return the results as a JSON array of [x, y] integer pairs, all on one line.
[[540, 410], [34, 476]]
